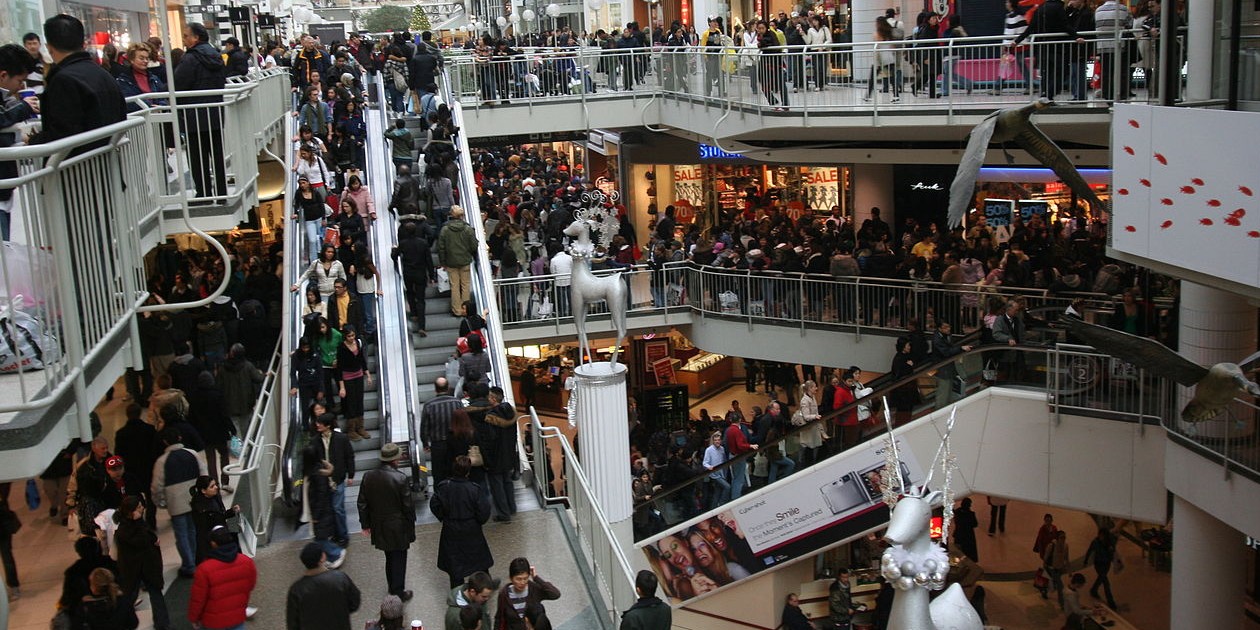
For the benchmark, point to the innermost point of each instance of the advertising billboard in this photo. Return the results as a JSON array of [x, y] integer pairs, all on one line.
[[811, 510]]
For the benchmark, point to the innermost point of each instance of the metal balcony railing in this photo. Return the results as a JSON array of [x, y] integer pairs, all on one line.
[[862, 76], [84, 209], [859, 303]]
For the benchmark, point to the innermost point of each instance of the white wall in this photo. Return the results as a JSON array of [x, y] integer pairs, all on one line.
[[1175, 221], [873, 188], [1234, 500]]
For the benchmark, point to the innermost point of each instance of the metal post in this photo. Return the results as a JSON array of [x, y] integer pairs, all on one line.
[[1235, 51]]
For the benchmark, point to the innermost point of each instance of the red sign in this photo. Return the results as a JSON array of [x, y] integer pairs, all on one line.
[[664, 369], [935, 527], [1054, 188]]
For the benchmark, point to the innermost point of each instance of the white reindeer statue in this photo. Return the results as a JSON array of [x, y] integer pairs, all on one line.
[[586, 287], [914, 564]]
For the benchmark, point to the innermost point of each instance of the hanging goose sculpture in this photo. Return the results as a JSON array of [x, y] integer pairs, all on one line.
[[1013, 125], [1214, 387]]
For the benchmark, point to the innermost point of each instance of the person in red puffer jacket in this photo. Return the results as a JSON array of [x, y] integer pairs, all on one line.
[[222, 585]]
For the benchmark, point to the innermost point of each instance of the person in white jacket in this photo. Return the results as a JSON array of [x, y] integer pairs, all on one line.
[[174, 473], [818, 37]]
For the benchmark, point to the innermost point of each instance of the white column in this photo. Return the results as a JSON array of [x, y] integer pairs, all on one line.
[[1208, 570], [605, 436], [1216, 326], [1199, 49]]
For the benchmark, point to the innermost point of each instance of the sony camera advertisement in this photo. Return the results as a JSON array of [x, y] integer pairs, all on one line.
[[808, 511]]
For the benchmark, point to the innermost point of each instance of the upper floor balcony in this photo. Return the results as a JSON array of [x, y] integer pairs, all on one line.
[[923, 94], [86, 211]]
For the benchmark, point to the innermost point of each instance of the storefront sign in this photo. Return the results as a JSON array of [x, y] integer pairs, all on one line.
[[923, 186], [1029, 207], [710, 152], [654, 351], [797, 518], [998, 212], [820, 187], [689, 185], [664, 371]]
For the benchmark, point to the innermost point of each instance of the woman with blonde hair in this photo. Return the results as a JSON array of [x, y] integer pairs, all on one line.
[[105, 608], [807, 415]]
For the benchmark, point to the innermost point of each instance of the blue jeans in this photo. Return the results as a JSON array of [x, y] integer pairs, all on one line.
[[720, 491], [502, 493], [314, 235], [340, 530], [330, 548], [658, 296], [395, 99], [781, 467], [185, 541], [951, 71], [157, 602], [369, 313], [739, 477], [1077, 80]]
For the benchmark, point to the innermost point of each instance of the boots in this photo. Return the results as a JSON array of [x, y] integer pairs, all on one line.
[[355, 430]]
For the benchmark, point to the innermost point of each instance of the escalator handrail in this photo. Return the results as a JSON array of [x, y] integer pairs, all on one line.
[[871, 399], [483, 275], [292, 318]]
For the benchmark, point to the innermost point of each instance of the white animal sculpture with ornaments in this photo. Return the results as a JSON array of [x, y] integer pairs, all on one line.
[[586, 287], [914, 564]]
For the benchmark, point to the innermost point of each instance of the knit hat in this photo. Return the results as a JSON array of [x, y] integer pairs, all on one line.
[[391, 607]]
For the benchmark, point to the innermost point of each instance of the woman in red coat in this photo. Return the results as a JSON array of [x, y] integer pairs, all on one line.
[[847, 421], [222, 585]]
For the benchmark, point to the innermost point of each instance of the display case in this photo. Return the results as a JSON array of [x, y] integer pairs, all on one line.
[[705, 372]]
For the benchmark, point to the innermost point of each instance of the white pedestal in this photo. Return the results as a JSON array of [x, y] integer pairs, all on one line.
[[1216, 326], [1208, 570], [601, 414]]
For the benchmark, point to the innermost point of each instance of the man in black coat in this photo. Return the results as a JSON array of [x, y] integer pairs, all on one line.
[[334, 447], [79, 95], [1051, 20], [202, 68], [388, 515], [238, 59], [417, 265], [137, 443], [321, 599], [353, 307], [421, 71], [406, 197]]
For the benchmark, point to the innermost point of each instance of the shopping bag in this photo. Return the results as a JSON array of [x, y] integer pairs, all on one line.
[[1041, 581], [444, 281], [1007, 70], [25, 343], [332, 236], [989, 373], [32, 495], [235, 446]]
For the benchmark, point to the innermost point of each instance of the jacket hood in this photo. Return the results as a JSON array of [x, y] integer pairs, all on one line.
[[457, 225], [233, 364], [455, 597], [206, 55], [225, 553]]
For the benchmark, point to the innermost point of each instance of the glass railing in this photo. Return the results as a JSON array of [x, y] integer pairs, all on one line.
[[856, 303], [1050, 368], [891, 75]]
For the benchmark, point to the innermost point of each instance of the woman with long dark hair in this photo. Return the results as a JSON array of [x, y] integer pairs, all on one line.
[[310, 210], [139, 564], [353, 370], [326, 270], [326, 340], [317, 492], [463, 507], [365, 284], [208, 512]]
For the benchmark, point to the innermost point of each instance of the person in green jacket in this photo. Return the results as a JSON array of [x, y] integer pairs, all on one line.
[[476, 590], [401, 143], [456, 247], [649, 613]]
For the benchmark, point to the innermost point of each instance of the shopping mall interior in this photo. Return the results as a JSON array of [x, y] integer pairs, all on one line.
[[786, 259]]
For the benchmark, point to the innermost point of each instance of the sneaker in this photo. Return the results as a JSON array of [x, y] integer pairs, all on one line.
[[335, 564], [14, 594]]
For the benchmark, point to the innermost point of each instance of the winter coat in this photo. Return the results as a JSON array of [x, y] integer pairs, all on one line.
[[221, 588], [322, 601], [463, 509], [455, 602], [201, 68], [649, 613], [208, 414], [139, 556], [386, 507], [171, 482], [208, 513], [506, 617], [457, 244], [99, 613], [79, 96], [239, 380]]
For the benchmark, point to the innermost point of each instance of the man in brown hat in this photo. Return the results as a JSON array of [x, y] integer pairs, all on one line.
[[388, 515]]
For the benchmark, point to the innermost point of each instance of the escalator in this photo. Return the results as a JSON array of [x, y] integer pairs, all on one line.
[[1011, 440]]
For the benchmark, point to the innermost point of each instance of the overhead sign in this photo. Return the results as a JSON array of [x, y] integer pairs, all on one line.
[[997, 212], [710, 152], [239, 15]]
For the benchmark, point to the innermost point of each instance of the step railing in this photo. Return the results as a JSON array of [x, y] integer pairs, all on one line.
[[256, 469], [857, 303], [854, 76], [604, 554]]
